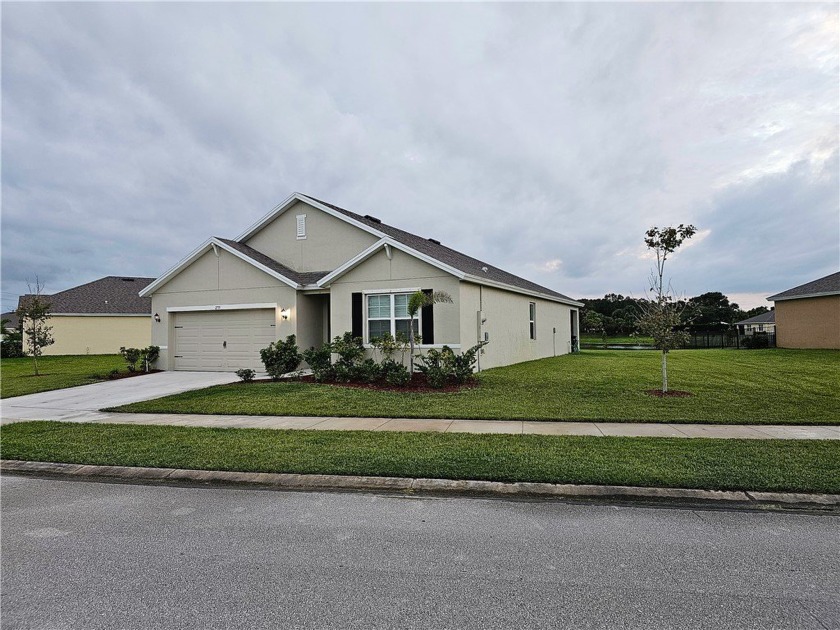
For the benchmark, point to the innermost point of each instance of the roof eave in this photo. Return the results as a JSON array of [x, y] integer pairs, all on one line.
[[781, 297], [515, 289]]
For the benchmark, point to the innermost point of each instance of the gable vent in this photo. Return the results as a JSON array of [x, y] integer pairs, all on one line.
[[433, 241], [301, 226], [374, 219]]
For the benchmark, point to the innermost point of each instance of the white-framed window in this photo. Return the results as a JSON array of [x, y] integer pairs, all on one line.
[[532, 319], [301, 226], [388, 312]]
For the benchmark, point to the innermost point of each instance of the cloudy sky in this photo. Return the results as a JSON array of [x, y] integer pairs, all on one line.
[[542, 138]]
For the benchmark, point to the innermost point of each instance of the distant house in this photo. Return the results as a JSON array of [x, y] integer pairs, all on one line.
[[100, 316], [764, 323], [808, 316]]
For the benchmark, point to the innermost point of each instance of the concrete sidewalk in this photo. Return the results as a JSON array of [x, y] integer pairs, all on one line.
[[517, 427]]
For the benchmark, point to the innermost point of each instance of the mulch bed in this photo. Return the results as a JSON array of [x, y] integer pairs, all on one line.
[[116, 377], [671, 393], [417, 385]]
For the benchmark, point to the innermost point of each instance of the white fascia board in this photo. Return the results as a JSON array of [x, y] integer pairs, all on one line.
[[289, 202], [774, 298], [100, 314], [204, 248], [173, 271], [260, 266], [380, 244], [513, 289], [220, 307]]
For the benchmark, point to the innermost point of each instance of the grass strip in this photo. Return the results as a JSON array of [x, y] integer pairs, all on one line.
[[768, 465]]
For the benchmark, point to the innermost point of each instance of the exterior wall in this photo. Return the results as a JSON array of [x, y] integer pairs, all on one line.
[[213, 281], [506, 316], [401, 272], [311, 318], [329, 242], [98, 334], [808, 323]]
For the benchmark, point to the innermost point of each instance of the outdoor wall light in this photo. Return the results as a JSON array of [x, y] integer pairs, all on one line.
[[284, 313], [157, 318]]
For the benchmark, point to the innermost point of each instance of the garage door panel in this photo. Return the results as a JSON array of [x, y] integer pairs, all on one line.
[[222, 340]]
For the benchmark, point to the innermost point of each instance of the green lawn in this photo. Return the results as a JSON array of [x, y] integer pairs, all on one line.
[[729, 387], [16, 375], [773, 465]]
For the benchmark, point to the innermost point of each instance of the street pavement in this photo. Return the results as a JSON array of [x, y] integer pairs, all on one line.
[[97, 555]]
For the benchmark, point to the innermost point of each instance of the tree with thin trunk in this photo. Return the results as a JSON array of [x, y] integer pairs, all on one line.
[[34, 313], [661, 313], [416, 302]]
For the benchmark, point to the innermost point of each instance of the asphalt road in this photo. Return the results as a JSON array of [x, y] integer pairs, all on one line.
[[90, 555]]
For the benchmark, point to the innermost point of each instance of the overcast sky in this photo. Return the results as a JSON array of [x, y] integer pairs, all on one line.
[[544, 139]]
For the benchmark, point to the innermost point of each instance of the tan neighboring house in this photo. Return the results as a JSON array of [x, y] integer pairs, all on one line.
[[99, 317], [808, 316], [315, 270]]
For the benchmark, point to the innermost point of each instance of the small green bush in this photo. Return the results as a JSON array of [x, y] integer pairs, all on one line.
[[394, 373], [348, 348], [246, 375], [756, 341], [368, 371], [131, 357], [148, 356], [462, 365], [434, 366], [281, 357], [320, 361]]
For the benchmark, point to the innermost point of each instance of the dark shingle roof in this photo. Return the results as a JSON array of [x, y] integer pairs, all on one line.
[[111, 295], [446, 255], [828, 285], [764, 318], [301, 277], [14, 320]]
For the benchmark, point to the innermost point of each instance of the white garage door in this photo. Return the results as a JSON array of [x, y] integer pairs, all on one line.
[[222, 341]]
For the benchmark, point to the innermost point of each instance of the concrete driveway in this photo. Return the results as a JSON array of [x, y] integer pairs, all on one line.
[[82, 402]]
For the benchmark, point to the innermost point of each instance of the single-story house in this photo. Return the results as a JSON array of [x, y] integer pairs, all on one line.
[[315, 270], [808, 316], [762, 323], [99, 317]]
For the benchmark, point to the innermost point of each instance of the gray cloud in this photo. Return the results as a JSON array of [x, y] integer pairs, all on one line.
[[520, 134]]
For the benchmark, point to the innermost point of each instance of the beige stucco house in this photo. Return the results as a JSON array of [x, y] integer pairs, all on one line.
[[808, 316], [315, 270], [99, 317]]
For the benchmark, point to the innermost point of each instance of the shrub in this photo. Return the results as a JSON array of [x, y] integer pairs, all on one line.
[[149, 355], [131, 357], [394, 373], [343, 373], [281, 357], [246, 375], [319, 359], [12, 345], [434, 365], [113, 374], [461, 365], [348, 348], [756, 341], [368, 371]]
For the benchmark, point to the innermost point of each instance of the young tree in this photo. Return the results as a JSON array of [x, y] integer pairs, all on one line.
[[417, 301], [661, 314], [34, 313]]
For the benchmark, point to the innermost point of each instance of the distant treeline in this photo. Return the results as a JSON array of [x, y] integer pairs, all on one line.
[[616, 314]]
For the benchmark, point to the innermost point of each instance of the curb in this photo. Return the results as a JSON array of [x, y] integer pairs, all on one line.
[[435, 487]]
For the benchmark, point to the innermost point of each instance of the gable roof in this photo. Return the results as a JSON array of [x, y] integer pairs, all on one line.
[[829, 285], [468, 268], [111, 295], [764, 318], [302, 278]]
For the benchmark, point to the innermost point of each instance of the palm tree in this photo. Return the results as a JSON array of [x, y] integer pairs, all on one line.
[[417, 301]]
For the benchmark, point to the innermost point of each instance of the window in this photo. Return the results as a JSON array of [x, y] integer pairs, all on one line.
[[532, 319], [389, 313], [301, 226]]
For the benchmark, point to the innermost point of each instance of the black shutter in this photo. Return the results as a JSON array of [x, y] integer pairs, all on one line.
[[357, 315], [428, 321]]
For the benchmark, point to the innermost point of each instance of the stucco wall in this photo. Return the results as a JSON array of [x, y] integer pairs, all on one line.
[[329, 242], [401, 272], [506, 317], [218, 280], [808, 323], [97, 334]]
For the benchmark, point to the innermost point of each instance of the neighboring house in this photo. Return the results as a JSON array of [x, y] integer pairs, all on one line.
[[13, 320], [315, 270], [808, 316], [99, 317], [763, 323]]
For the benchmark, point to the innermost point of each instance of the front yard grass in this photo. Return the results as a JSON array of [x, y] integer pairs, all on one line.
[[57, 372], [730, 387], [770, 465]]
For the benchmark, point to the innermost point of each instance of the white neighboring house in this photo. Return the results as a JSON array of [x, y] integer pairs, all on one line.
[[763, 323], [316, 270]]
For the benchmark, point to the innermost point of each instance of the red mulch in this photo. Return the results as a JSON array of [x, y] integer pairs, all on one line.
[[417, 385], [116, 377], [671, 393]]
